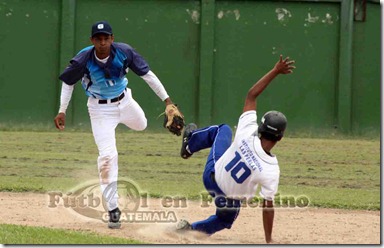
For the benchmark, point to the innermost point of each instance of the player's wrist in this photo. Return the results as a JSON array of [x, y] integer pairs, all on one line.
[[168, 101], [275, 71], [62, 111]]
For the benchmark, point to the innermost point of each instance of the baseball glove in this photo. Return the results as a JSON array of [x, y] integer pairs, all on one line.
[[173, 119]]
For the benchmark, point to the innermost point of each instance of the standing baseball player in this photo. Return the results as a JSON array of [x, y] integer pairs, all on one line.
[[234, 171], [102, 68]]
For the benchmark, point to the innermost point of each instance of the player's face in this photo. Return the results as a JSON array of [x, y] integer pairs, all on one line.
[[102, 43]]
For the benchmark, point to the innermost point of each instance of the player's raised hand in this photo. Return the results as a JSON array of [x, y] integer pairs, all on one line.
[[284, 66], [60, 121]]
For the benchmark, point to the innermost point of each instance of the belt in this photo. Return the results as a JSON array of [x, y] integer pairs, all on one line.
[[113, 100]]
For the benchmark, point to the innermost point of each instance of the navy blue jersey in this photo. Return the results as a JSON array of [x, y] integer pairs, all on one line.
[[104, 81]]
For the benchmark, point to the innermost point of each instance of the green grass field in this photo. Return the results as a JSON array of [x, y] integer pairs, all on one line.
[[13, 234], [332, 173]]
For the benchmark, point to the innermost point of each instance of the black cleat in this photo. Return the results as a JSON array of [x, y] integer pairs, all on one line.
[[114, 219], [183, 225], [187, 131]]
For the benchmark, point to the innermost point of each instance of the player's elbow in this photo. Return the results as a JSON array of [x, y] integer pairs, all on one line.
[[250, 103], [253, 94], [251, 97]]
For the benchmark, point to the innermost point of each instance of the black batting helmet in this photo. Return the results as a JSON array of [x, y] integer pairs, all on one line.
[[272, 126]]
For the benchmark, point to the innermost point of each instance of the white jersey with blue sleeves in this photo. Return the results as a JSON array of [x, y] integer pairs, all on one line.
[[245, 164], [104, 81]]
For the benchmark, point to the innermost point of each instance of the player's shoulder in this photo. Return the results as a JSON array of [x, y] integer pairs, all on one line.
[[248, 114], [122, 46], [247, 118], [83, 55], [85, 50]]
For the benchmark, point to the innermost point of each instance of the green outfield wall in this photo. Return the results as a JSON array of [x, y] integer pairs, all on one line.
[[207, 53]]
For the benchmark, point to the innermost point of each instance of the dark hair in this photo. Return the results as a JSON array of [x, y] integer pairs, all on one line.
[[269, 136]]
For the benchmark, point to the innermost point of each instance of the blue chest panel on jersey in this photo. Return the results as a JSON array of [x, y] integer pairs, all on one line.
[[104, 81]]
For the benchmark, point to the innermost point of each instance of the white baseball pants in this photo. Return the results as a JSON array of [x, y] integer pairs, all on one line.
[[104, 120]]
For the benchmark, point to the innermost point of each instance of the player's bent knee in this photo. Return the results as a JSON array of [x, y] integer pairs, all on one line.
[[226, 128], [140, 125]]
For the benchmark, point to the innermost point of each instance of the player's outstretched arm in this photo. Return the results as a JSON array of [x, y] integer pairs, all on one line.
[[268, 215], [283, 66], [173, 118]]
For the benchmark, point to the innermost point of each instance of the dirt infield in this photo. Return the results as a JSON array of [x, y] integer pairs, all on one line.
[[292, 226]]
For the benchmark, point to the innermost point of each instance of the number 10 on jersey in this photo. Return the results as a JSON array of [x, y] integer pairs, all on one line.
[[239, 170]]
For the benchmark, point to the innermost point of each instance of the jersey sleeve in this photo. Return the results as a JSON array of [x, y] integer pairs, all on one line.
[[134, 60], [76, 68], [73, 73], [154, 82], [247, 124], [269, 188]]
